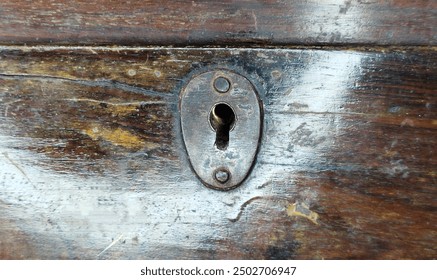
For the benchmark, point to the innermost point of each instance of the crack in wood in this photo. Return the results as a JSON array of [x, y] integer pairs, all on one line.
[[99, 83]]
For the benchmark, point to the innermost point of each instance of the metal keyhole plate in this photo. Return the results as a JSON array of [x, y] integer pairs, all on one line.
[[221, 121]]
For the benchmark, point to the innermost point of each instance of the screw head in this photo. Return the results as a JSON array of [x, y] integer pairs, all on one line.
[[222, 85], [222, 175]]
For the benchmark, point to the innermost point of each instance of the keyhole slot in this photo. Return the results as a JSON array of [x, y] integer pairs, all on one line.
[[222, 119]]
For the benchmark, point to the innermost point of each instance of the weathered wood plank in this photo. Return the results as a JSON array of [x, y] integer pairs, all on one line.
[[225, 22], [91, 152]]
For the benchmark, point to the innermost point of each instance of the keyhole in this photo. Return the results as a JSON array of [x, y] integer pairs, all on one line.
[[222, 119]]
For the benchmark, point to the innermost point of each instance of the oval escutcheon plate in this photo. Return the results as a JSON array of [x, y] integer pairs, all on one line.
[[221, 120]]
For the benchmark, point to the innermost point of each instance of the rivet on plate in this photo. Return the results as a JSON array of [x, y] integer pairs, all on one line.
[[222, 175], [222, 85]]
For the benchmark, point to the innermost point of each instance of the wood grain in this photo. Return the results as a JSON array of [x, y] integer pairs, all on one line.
[[91, 153], [226, 22]]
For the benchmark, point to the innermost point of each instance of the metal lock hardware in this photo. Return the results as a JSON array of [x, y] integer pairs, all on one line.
[[221, 121]]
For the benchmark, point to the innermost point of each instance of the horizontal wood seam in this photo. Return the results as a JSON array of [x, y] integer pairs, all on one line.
[[368, 48]]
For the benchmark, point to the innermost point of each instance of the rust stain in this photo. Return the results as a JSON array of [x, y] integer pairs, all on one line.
[[302, 210]]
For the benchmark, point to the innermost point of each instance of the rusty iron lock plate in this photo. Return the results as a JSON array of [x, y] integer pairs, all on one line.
[[221, 121]]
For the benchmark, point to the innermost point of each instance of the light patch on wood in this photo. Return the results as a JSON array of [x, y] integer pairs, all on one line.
[[122, 110], [157, 73], [118, 137], [277, 237], [408, 122], [302, 210]]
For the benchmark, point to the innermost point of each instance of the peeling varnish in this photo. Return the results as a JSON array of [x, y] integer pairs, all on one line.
[[8, 104], [19, 169], [408, 122], [302, 210], [139, 103], [110, 245], [243, 206], [255, 21], [118, 108], [118, 137]]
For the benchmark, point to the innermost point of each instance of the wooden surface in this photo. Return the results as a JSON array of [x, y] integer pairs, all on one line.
[[92, 163], [225, 22]]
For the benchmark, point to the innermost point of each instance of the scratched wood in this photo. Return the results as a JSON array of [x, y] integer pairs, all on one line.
[[92, 164], [218, 22]]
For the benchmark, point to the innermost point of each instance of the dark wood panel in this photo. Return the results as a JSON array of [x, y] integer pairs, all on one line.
[[218, 22], [92, 163]]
